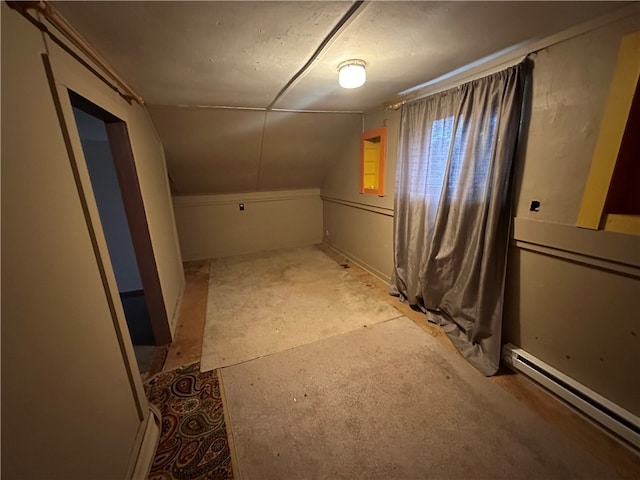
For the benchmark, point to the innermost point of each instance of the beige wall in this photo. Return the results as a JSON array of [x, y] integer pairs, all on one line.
[[150, 165], [573, 309], [72, 400], [213, 226], [575, 312], [361, 225], [154, 184], [68, 409], [570, 87], [362, 234], [573, 300]]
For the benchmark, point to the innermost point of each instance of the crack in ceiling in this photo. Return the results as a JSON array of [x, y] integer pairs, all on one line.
[[349, 14], [212, 73]]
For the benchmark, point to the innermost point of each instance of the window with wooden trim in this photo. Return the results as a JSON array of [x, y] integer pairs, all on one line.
[[373, 145]]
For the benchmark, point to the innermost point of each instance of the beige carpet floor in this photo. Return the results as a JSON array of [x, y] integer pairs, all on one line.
[[269, 302], [387, 402]]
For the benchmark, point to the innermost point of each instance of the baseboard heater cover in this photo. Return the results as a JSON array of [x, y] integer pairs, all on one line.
[[606, 413]]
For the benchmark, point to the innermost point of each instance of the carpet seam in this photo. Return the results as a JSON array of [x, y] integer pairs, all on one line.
[[235, 465], [324, 255], [302, 344]]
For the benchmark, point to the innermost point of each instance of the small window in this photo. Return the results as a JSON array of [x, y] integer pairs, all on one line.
[[373, 146]]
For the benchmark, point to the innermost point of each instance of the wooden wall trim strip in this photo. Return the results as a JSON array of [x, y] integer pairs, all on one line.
[[250, 197], [124, 162], [362, 206], [582, 259], [601, 249]]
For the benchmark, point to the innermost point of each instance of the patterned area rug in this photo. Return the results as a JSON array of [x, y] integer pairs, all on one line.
[[193, 442]]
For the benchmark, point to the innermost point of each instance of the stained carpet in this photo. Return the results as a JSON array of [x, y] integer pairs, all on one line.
[[269, 302], [193, 441], [387, 402]]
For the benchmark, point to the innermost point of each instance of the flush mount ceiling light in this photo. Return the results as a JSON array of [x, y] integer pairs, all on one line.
[[351, 73]]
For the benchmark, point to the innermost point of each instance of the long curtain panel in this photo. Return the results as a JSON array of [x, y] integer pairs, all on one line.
[[453, 208]]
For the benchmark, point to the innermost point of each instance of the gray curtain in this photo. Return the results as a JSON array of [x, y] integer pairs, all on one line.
[[452, 209]]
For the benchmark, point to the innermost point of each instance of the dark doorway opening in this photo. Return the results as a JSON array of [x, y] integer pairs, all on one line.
[[109, 157]]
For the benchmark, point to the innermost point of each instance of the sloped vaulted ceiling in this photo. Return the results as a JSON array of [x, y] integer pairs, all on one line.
[[213, 74], [224, 151]]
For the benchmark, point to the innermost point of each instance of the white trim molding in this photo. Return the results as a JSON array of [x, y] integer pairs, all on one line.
[[248, 197]]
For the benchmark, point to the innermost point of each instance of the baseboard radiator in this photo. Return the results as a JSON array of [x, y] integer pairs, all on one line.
[[617, 420]]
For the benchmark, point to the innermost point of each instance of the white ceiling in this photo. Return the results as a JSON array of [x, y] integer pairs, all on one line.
[[241, 54]]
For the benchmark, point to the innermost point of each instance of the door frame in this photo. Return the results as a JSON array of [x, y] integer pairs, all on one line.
[[124, 163]]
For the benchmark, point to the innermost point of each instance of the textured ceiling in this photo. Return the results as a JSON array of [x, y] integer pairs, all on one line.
[[242, 54], [408, 43], [204, 53]]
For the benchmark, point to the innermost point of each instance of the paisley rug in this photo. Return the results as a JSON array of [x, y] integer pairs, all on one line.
[[193, 442]]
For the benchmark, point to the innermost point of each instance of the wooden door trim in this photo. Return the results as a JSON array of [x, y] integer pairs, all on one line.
[[118, 135], [126, 172]]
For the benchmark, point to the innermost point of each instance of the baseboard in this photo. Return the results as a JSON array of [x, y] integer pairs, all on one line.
[[145, 453], [361, 263]]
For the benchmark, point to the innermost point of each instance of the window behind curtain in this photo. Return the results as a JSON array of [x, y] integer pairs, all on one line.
[[452, 211], [428, 161]]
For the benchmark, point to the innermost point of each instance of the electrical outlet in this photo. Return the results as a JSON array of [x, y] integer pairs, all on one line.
[[241, 207]]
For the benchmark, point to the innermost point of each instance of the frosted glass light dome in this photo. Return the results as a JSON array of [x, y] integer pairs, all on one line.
[[352, 74]]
